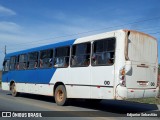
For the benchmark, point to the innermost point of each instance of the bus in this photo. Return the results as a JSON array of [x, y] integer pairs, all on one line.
[[115, 65]]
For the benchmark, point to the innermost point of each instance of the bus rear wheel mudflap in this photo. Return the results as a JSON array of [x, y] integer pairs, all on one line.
[[60, 95], [13, 90]]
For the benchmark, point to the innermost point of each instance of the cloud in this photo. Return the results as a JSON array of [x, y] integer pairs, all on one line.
[[14, 35], [9, 27], [6, 11], [84, 22]]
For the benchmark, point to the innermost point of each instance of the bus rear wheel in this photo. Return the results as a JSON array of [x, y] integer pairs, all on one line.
[[13, 90], [60, 95]]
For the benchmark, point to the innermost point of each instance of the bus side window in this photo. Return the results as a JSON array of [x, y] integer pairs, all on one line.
[[12, 63], [6, 65], [17, 63], [46, 58], [103, 52], [23, 62], [32, 60], [62, 57], [81, 55]]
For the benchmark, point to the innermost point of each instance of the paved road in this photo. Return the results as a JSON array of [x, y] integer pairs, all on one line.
[[29, 102]]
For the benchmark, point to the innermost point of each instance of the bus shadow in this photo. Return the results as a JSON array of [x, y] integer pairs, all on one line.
[[36, 97], [113, 106], [117, 106]]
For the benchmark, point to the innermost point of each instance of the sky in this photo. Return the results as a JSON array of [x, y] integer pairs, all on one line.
[[30, 23]]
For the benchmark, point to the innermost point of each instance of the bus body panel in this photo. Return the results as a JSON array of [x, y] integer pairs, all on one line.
[[102, 77], [5, 77], [85, 78], [41, 89], [5, 86], [142, 52], [80, 78], [141, 80], [119, 59], [100, 86], [124, 93]]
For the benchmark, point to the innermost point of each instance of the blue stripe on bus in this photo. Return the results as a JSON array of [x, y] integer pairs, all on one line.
[[36, 76]]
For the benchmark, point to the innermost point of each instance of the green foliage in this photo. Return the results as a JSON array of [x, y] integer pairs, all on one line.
[[146, 100]]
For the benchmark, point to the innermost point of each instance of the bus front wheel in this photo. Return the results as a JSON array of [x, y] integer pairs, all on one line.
[[13, 90], [60, 95]]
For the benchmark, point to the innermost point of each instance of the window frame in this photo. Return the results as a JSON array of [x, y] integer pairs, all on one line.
[[4, 63], [93, 65], [72, 66], [50, 58], [11, 63], [54, 57], [28, 60]]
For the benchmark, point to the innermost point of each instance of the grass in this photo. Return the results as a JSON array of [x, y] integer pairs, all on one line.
[[146, 100], [151, 100]]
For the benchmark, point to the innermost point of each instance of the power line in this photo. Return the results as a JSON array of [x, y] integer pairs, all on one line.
[[149, 29], [148, 33], [44, 40], [48, 43], [154, 33]]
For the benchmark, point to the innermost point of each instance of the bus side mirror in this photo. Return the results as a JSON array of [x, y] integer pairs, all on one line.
[[128, 66]]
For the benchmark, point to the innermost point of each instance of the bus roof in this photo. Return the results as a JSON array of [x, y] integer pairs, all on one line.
[[59, 44], [134, 31]]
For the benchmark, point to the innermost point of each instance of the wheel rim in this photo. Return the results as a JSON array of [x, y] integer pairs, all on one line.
[[13, 89], [60, 95]]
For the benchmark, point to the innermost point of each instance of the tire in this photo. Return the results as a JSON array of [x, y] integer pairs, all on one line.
[[60, 95], [13, 90]]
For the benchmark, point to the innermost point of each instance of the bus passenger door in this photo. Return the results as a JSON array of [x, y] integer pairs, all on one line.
[[79, 83], [102, 70]]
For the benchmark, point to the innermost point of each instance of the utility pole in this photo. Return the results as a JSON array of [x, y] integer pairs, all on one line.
[[5, 49]]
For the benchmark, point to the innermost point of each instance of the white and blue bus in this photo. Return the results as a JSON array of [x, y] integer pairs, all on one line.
[[116, 65]]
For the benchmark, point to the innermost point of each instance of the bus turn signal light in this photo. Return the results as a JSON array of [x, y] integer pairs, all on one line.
[[123, 72]]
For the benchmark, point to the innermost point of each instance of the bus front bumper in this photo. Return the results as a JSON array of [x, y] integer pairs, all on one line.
[[123, 93]]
